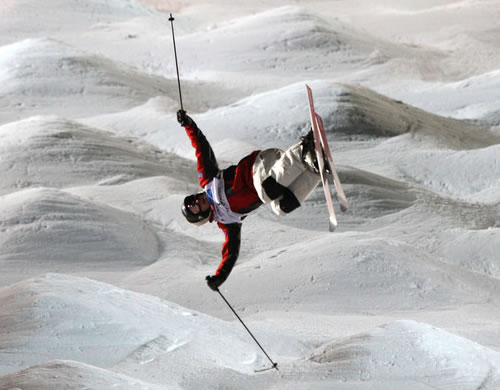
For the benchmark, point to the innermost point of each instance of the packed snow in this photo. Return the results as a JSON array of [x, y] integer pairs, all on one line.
[[101, 278]]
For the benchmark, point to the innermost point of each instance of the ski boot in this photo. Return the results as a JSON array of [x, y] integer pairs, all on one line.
[[309, 153]]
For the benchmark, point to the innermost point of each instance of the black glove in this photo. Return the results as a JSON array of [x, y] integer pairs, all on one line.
[[184, 119], [215, 281]]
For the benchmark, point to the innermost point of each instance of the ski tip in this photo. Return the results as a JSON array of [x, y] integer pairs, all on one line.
[[332, 226]]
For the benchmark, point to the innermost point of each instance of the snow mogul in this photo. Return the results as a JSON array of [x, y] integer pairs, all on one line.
[[282, 178]]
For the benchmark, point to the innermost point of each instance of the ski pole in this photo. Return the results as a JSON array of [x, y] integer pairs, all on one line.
[[275, 365], [171, 19]]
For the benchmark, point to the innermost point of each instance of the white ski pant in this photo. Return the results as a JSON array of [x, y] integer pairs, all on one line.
[[289, 170]]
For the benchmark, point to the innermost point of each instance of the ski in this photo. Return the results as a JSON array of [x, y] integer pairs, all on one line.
[[322, 146], [321, 162], [336, 181]]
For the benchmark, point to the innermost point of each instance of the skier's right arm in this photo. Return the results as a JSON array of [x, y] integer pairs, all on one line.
[[205, 156], [230, 253]]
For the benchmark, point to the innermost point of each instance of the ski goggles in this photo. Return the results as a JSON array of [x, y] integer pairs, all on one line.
[[191, 203]]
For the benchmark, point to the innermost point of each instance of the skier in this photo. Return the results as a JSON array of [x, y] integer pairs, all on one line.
[[282, 178]]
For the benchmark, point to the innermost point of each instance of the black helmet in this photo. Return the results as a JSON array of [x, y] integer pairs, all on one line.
[[197, 219]]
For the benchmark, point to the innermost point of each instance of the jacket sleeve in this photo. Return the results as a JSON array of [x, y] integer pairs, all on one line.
[[230, 249], [206, 162]]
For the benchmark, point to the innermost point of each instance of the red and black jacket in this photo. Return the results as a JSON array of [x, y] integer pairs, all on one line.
[[239, 190]]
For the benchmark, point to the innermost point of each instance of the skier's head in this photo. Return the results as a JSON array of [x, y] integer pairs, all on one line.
[[196, 208]]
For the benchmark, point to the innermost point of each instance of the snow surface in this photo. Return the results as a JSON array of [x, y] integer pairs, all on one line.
[[101, 279]]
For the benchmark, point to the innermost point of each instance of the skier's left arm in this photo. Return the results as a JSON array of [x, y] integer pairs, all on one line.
[[206, 162], [230, 253]]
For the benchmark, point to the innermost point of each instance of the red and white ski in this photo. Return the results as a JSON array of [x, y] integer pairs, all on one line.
[[322, 146]]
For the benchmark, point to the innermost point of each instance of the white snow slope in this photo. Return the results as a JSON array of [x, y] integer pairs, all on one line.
[[101, 278]]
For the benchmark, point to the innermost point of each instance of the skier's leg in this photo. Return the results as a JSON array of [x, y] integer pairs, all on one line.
[[275, 206], [283, 178], [262, 170], [289, 166], [304, 185], [296, 193], [298, 179], [284, 200]]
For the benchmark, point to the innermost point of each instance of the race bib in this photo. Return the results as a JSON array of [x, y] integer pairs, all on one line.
[[217, 197]]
